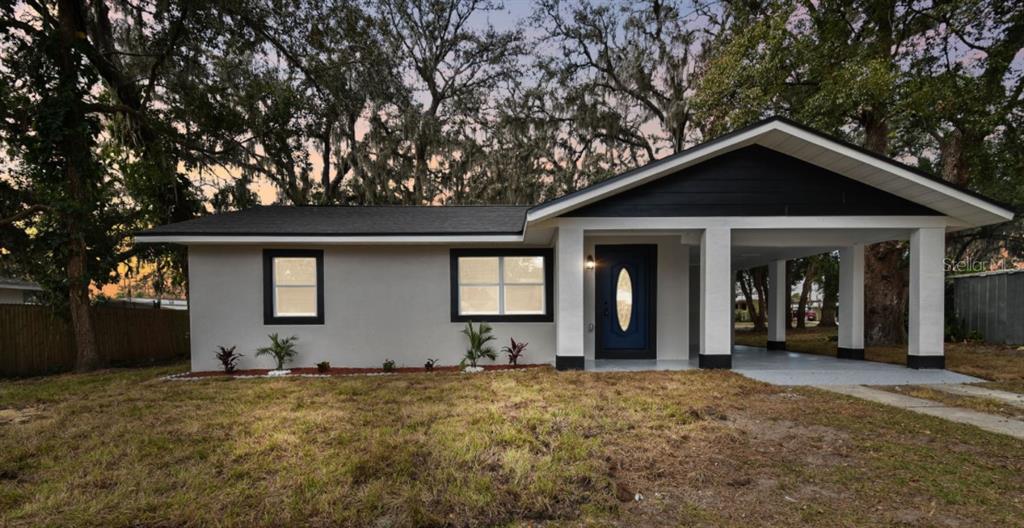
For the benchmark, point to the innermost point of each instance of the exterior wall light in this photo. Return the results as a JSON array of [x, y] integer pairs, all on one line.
[[590, 264]]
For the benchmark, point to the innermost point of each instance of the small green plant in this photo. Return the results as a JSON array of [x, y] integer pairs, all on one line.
[[228, 358], [283, 349], [429, 365], [514, 351], [478, 343], [389, 365], [323, 367]]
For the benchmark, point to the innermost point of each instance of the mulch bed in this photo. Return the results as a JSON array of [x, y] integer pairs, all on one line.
[[342, 371]]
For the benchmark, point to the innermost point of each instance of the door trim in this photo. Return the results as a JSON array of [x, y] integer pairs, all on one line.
[[651, 352]]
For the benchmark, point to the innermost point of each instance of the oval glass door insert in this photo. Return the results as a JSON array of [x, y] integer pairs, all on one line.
[[624, 299]]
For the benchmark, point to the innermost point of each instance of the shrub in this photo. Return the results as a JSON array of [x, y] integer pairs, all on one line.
[[228, 358], [389, 365], [478, 347], [514, 350], [429, 365], [323, 367], [283, 349]]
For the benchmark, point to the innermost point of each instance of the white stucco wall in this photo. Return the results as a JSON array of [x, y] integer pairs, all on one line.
[[673, 288], [380, 302]]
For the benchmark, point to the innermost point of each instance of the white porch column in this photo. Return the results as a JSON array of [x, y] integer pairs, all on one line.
[[716, 298], [927, 297], [569, 303], [778, 296], [851, 303]]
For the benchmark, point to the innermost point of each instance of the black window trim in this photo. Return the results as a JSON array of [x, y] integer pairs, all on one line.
[[268, 287], [549, 284]]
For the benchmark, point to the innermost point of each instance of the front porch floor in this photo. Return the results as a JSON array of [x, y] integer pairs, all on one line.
[[794, 368]]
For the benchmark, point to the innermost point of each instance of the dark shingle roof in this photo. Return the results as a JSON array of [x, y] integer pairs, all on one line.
[[353, 221]]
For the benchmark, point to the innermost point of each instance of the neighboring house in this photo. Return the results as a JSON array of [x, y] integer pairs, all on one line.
[[17, 291], [638, 266], [991, 304]]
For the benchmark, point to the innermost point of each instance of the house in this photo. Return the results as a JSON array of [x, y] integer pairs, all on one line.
[[18, 291], [637, 266]]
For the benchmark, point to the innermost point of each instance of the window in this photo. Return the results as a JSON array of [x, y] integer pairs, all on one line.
[[293, 286], [513, 285]]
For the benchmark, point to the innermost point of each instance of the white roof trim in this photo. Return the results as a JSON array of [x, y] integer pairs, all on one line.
[[971, 210], [325, 240]]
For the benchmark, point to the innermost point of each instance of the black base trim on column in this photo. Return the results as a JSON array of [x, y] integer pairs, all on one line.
[[776, 345], [926, 362], [568, 362], [716, 361], [850, 353]]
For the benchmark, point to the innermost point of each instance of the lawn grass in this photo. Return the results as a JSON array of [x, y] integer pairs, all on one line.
[[977, 403], [703, 448], [1001, 363]]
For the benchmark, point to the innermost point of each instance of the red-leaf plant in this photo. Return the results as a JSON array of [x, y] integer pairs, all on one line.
[[514, 351]]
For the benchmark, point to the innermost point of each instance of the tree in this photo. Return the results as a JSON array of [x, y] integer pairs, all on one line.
[[57, 202], [625, 73], [89, 136], [883, 74], [454, 70], [828, 278], [755, 281]]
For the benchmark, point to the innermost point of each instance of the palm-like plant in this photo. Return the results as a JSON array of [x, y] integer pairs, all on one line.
[[478, 347], [283, 349]]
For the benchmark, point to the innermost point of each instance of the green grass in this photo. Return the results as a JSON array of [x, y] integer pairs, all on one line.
[[123, 448]]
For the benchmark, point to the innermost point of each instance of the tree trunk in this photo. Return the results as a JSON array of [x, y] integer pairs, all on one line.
[[87, 355], [761, 287], [885, 283], [805, 292], [829, 300], [885, 294], [743, 279], [74, 147]]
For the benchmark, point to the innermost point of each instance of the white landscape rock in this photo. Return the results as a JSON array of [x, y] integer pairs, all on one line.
[[276, 373], [473, 370]]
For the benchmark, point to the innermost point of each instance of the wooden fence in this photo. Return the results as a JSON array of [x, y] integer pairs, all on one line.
[[35, 341]]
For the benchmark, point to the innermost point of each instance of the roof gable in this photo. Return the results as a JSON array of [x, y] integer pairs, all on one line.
[[964, 207], [752, 181]]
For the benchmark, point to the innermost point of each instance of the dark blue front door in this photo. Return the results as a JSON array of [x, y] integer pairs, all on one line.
[[625, 295]]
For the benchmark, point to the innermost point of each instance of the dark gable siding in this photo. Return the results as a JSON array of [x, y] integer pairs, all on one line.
[[753, 181]]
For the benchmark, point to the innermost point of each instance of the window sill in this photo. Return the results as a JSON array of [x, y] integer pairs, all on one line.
[[520, 318], [318, 320]]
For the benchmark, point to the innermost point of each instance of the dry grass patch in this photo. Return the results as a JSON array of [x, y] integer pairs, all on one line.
[[977, 403], [519, 448]]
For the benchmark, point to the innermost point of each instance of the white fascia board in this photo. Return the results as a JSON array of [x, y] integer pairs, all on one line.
[[197, 240], [754, 222]]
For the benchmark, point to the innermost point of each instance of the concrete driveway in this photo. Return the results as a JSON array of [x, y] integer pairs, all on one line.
[[793, 368]]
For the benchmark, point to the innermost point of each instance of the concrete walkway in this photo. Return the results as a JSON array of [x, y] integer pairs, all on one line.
[[1011, 398], [988, 422]]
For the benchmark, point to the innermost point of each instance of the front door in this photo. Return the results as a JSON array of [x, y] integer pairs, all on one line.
[[625, 294]]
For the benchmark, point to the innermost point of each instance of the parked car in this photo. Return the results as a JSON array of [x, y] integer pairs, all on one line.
[[811, 316]]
